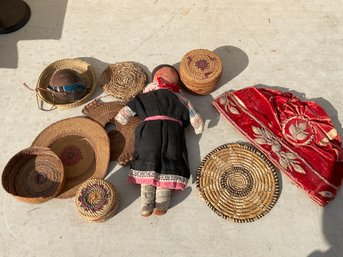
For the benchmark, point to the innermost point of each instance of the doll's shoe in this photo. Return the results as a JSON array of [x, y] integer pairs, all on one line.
[[147, 200], [162, 201]]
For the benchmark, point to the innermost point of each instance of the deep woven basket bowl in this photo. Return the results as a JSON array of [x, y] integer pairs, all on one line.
[[200, 71], [83, 147], [123, 80], [122, 139], [97, 200], [34, 175], [238, 183], [86, 71]]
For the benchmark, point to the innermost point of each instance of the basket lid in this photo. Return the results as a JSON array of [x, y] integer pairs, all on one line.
[[238, 182], [96, 200], [123, 80], [34, 175], [84, 69], [200, 66], [83, 147]]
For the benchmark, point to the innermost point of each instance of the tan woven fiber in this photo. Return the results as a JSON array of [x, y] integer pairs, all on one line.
[[34, 175], [122, 140], [86, 71], [123, 80], [102, 112], [97, 200], [200, 71], [238, 183], [83, 147]]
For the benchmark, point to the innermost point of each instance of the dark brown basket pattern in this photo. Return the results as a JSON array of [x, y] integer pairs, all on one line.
[[238, 183]]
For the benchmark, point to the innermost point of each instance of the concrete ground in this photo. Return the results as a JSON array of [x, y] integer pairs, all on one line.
[[291, 45]]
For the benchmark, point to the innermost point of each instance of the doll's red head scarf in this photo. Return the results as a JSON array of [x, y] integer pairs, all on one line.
[[165, 85], [298, 137]]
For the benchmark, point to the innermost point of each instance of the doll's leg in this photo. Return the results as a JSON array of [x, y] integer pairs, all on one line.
[[162, 201], [147, 199]]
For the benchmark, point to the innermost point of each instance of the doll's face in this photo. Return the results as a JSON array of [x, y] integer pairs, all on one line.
[[168, 74]]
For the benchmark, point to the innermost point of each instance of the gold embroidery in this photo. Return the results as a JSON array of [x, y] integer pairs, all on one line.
[[287, 160]]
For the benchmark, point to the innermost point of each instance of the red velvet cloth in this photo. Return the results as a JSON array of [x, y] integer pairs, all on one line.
[[298, 137]]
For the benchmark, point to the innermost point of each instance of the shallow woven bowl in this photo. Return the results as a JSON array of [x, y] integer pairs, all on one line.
[[83, 147], [238, 183], [200, 71], [86, 71], [122, 139], [96, 200], [34, 175], [123, 80]]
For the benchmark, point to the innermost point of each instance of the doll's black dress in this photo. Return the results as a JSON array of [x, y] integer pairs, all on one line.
[[160, 155]]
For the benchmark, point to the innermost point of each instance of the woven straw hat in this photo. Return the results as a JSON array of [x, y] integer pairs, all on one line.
[[34, 175], [122, 140], [96, 200], [83, 68], [83, 147], [123, 80], [200, 71], [238, 183]]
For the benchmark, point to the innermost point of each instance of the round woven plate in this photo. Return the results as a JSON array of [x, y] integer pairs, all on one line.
[[123, 80], [200, 71], [238, 183], [96, 200], [86, 71], [34, 175], [122, 139], [83, 147]]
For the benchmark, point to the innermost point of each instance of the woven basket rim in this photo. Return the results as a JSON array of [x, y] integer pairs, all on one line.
[[74, 62], [256, 154], [34, 151], [85, 127]]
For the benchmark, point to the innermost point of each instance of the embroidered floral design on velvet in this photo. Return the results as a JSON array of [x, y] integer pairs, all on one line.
[[202, 64], [297, 130], [229, 106], [287, 160]]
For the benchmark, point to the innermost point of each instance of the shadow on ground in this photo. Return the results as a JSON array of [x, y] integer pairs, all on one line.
[[234, 60], [43, 24], [332, 220], [332, 223]]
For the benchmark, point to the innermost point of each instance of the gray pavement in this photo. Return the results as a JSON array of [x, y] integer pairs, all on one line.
[[290, 45]]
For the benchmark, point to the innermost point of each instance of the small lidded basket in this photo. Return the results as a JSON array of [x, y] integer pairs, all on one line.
[[97, 200], [200, 71]]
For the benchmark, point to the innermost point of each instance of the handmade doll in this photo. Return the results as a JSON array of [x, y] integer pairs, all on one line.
[[160, 161]]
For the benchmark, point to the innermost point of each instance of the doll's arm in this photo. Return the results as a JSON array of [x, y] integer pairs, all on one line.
[[195, 118], [124, 115], [197, 123]]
